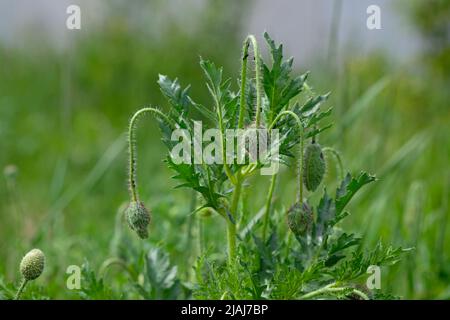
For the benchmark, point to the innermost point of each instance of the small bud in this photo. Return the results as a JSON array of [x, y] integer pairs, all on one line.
[[32, 265], [138, 218], [313, 166], [206, 212], [300, 219]]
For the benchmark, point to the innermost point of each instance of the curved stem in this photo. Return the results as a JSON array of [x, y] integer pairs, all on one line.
[[250, 40], [131, 146], [242, 103], [273, 180], [302, 134], [330, 288], [338, 159], [114, 261], [361, 294], [22, 286]]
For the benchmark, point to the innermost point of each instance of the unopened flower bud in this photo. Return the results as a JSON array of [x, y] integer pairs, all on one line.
[[313, 166], [300, 219], [138, 218], [32, 265]]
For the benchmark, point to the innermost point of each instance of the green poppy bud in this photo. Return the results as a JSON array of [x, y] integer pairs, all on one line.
[[313, 166], [138, 218], [32, 265], [300, 219]]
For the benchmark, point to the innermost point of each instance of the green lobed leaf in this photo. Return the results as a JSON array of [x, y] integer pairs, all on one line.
[[278, 84], [349, 187]]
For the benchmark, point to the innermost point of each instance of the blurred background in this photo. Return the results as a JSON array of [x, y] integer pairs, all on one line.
[[66, 97]]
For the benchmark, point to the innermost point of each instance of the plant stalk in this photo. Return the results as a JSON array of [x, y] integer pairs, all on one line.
[[250, 40], [330, 288], [338, 159], [302, 134], [22, 286], [132, 180]]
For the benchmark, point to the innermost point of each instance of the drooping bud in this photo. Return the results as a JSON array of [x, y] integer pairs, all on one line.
[[138, 218], [313, 166], [32, 264], [300, 219]]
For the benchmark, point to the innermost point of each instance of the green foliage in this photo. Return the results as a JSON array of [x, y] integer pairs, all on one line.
[[324, 257], [93, 287], [279, 86], [387, 120], [325, 261], [161, 280]]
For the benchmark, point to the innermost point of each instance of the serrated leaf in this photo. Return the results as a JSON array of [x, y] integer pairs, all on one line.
[[161, 275], [349, 187], [176, 96], [313, 104], [316, 117], [326, 212], [213, 74], [278, 85], [343, 242]]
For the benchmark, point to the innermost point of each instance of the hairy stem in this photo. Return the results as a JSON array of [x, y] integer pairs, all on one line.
[[22, 286], [331, 288], [250, 40], [115, 261], [131, 146], [268, 205], [318, 292], [242, 103], [338, 159], [302, 134], [361, 294]]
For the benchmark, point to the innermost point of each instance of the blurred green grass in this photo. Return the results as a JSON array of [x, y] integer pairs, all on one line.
[[63, 117]]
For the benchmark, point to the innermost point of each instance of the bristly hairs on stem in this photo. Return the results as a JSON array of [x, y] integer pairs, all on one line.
[[137, 215], [132, 180], [301, 147], [300, 166], [239, 178], [338, 160], [250, 40]]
